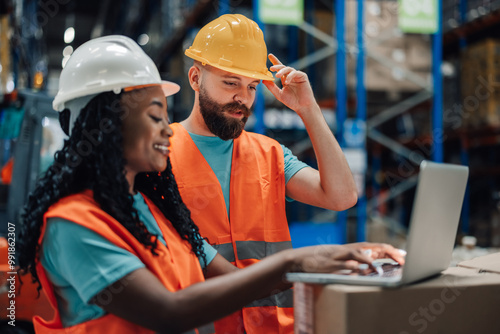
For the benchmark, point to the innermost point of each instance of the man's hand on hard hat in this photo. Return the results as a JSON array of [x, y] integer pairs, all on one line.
[[296, 92]]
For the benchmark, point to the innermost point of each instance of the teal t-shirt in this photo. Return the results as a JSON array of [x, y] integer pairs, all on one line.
[[81, 263], [218, 153]]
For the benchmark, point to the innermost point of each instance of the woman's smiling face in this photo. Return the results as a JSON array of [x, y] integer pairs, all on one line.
[[145, 130]]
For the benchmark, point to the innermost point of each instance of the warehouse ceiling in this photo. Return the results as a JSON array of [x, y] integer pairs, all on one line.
[[164, 22], [167, 23]]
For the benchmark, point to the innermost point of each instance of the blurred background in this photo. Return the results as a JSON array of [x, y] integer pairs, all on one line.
[[398, 82]]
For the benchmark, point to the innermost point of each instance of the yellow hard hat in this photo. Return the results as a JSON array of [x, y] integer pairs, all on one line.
[[232, 43]]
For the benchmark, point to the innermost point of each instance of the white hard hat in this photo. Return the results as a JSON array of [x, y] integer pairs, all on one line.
[[109, 63]]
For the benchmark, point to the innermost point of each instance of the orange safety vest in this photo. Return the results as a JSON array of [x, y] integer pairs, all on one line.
[[176, 266], [257, 226]]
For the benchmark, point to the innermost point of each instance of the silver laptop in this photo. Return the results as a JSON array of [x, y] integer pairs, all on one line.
[[431, 237]]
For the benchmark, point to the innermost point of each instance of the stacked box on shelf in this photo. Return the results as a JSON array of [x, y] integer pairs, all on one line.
[[480, 83], [389, 53]]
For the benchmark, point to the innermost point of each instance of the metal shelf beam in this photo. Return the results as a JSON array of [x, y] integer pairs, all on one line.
[[361, 115], [341, 93], [437, 77]]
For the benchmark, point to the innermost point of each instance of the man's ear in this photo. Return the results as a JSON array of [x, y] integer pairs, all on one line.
[[194, 76]]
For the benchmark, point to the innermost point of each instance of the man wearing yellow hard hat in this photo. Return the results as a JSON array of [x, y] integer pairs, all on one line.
[[234, 182]]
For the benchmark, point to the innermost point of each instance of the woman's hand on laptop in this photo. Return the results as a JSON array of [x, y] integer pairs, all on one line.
[[379, 251], [330, 258]]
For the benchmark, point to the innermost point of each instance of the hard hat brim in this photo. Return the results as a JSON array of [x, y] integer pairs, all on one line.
[[168, 87], [254, 75], [250, 74]]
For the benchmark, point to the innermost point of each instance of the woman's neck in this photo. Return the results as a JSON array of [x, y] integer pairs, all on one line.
[[130, 176]]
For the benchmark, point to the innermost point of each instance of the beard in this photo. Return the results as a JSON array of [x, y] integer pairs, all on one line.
[[224, 127]]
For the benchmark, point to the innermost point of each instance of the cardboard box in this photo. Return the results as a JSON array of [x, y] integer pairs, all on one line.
[[484, 264], [419, 53], [480, 71], [461, 300], [405, 52]]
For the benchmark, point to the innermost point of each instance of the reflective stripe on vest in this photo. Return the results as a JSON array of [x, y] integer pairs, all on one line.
[[226, 250], [260, 249], [282, 299], [251, 249]]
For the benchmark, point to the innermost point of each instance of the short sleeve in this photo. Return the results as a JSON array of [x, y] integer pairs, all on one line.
[[292, 164], [76, 256], [210, 253]]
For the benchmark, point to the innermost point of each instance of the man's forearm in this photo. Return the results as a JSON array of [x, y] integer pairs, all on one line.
[[335, 175]]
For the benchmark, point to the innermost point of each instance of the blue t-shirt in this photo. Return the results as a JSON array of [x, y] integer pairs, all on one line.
[[80, 263], [218, 153]]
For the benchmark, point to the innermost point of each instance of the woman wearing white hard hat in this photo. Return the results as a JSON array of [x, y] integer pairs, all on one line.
[[105, 232]]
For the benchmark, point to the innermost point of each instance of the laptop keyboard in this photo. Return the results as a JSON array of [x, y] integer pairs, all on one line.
[[390, 270]]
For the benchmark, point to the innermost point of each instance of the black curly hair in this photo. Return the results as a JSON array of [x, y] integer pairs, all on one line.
[[92, 158]]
